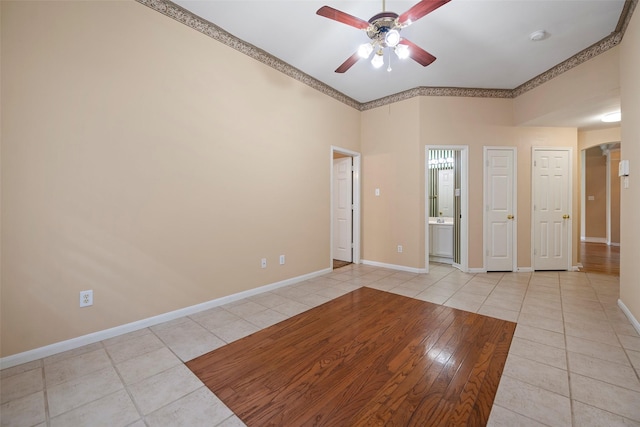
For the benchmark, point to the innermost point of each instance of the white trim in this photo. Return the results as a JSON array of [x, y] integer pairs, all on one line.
[[476, 270], [356, 202], [395, 267], [632, 319], [594, 239], [583, 193], [514, 195], [607, 190], [525, 270], [49, 350], [464, 204]]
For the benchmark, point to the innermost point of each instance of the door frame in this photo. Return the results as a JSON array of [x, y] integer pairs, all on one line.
[[569, 150], [464, 203], [514, 196], [355, 213]]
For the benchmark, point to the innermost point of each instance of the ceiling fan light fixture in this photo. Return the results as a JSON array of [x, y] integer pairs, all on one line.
[[378, 60], [612, 117], [402, 51], [365, 50], [392, 38]]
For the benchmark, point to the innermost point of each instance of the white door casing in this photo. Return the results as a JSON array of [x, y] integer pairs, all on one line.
[[342, 209], [552, 201], [500, 209], [462, 194]]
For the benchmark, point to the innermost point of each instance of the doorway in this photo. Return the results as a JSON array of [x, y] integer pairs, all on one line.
[[446, 215], [344, 207], [600, 209]]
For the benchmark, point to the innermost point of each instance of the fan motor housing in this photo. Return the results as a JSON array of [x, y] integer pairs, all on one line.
[[381, 24]]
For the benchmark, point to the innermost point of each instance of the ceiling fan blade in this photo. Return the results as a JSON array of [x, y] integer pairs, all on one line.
[[418, 54], [348, 63], [345, 18], [419, 10]]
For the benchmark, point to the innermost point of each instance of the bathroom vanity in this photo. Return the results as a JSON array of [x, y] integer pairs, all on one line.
[[441, 239]]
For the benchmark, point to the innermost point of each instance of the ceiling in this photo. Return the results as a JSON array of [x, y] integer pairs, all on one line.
[[479, 44]]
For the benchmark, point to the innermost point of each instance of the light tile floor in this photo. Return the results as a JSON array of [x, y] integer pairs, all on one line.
[[574, 359]]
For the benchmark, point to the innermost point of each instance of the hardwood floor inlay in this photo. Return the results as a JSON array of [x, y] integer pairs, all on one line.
[[366, 358]]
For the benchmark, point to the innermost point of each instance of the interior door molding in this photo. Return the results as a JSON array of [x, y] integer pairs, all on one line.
[[356, 201]]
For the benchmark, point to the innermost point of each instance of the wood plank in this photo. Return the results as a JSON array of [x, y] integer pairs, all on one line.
[[368, 357], [600, 258]]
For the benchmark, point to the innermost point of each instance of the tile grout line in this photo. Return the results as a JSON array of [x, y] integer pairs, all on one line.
[[566, 352]]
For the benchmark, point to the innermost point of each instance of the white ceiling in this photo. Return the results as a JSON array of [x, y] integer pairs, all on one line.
[[478, 43]]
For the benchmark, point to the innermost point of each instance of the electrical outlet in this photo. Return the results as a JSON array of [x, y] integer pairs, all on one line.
[[263, 263], [86, 298], [399, 249], [281, 259]]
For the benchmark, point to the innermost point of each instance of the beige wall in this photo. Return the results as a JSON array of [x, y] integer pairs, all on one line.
[[472, 122], [614, 179], [152, 164], [630, 197], [567, 92], [591, 138], [393, 161]]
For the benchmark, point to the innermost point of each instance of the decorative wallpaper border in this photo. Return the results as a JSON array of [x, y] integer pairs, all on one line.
[[209, 29]]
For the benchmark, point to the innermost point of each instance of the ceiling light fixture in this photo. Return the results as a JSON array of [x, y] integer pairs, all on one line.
[[365, 50], [392, 38], [616, 116], [538, 35], [378, 60], [402, 51]]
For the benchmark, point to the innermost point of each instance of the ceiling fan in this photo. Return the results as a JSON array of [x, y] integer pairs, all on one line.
[[384, 31]]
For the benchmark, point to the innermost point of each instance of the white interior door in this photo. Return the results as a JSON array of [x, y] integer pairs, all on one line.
[[551, 209], [445, 192], [342, 209], [500, 210]]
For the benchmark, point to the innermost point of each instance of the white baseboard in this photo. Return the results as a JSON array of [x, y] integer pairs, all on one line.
[[632, 319], [394, 266], [49, 350], [525, 270], [594, 239], [476, 270]]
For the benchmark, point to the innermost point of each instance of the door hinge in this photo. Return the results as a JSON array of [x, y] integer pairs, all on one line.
[[535, 163], [352, 245], [353, 207]]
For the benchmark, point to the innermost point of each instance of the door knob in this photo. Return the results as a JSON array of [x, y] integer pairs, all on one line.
[[510, 217], [565, 216]]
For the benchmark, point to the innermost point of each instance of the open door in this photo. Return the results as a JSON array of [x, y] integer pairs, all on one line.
[[345, 205], [342, 209]]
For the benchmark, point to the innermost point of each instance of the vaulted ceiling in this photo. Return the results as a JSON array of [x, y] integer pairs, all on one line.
[[479, 44]]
